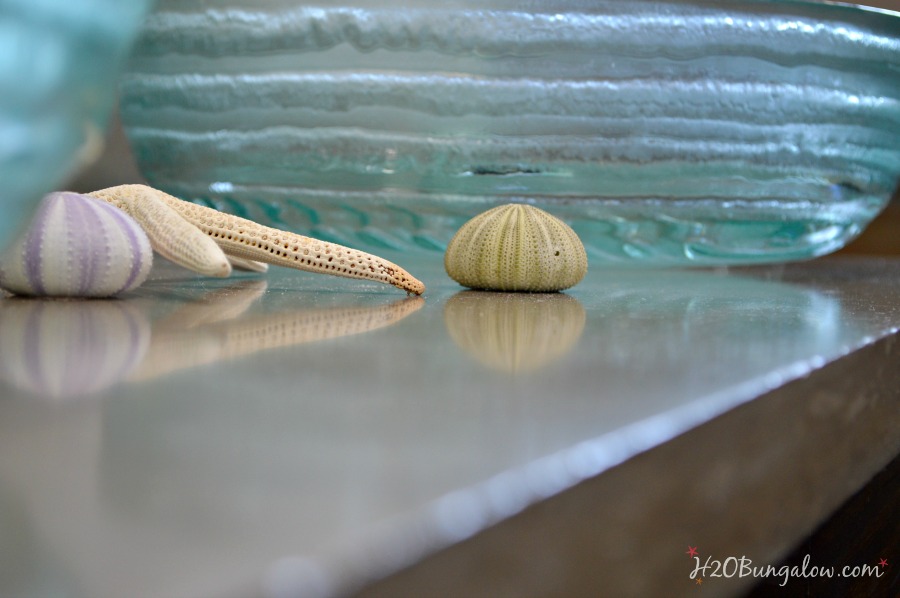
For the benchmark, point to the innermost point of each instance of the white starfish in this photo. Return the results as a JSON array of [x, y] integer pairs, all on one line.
[[210, 242]]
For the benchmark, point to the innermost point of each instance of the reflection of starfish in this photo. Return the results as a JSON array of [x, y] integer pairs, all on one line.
[[691, 551], [215, 328], [699, 581], [883, 563], [113, 341], [209, 242]]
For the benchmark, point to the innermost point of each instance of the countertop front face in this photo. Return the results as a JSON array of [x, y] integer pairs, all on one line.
[[294, 432]]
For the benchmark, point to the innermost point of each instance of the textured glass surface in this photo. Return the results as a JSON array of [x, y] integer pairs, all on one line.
[[59, 60], [663, 132]]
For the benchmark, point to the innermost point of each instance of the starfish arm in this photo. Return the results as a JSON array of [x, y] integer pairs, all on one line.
[[170, 234], [242, 238], [248, 265], [246, 239]]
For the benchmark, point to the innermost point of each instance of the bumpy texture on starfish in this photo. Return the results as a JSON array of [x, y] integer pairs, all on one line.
[[210, 242]]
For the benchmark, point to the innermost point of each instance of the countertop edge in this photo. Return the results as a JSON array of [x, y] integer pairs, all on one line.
[[804, 448]]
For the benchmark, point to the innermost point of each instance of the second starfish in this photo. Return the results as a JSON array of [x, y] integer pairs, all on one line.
[[208, 241]]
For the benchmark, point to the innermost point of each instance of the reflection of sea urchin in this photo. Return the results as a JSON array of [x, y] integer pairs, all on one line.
[[516, 247], [514, 332]]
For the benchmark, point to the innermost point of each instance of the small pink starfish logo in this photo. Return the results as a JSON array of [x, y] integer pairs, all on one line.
[[883, 563], [691, 551]]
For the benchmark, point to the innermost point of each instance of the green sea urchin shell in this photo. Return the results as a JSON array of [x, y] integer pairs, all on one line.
[[516, 247]]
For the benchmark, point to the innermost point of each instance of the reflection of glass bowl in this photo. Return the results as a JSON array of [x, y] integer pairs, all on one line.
[[59, 60], [664, 132]]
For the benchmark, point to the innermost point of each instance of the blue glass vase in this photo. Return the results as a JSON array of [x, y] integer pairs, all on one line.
[[674, 132], [59, 64]]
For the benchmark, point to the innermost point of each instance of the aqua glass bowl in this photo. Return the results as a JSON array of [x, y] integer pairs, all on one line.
[[690, 132], [59, 63]]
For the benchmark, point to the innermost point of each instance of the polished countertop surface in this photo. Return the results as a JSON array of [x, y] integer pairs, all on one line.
[[296, 433]]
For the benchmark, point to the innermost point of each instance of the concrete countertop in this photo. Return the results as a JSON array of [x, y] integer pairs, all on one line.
[[296, 434]]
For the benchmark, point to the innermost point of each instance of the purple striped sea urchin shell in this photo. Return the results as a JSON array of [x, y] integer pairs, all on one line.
[[76, 246]]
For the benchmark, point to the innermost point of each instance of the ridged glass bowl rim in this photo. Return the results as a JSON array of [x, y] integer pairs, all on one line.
[[851, 5], [816, 3]]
